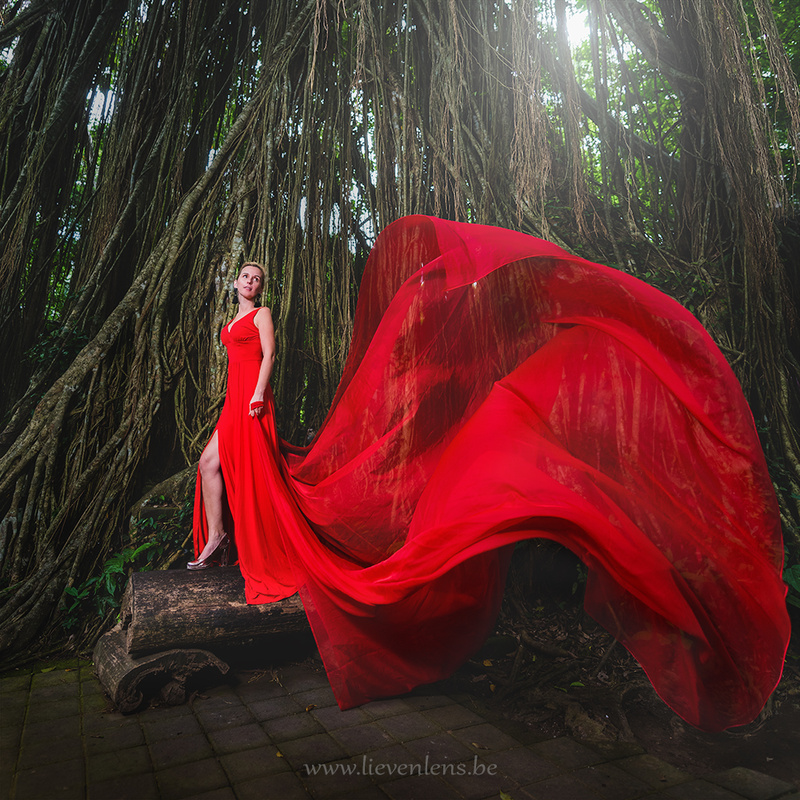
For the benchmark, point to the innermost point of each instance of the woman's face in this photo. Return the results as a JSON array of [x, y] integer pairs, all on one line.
[[250, 282]]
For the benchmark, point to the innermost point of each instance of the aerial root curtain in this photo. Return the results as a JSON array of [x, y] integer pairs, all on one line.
[[498, 388]]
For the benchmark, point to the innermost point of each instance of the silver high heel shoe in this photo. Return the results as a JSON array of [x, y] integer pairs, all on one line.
[[218, 556]]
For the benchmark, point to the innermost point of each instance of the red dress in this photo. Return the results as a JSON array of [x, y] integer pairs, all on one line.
[[496, 389]]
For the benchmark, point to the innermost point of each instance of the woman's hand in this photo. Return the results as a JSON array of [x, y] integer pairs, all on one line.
[[257, 405]]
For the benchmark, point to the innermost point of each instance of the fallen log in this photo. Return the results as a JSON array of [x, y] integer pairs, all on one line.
[[131, 683], [173, 626], [171, 609]]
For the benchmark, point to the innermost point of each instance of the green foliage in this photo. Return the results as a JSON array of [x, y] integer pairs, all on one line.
[[102, 593], [51, 346], [792, 578]]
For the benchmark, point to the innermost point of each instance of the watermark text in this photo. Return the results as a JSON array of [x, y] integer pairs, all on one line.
[[368, 766]]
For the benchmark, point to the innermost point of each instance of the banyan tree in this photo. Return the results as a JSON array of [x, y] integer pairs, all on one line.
[[150, 147]]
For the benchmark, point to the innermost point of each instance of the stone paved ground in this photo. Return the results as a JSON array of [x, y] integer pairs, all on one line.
[[286, 739]]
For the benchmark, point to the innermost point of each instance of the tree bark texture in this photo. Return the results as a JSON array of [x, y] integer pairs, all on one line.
[[171, 609], [150, 148]]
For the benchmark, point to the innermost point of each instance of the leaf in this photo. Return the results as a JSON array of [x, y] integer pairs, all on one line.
[[487, 662], [792, 577]]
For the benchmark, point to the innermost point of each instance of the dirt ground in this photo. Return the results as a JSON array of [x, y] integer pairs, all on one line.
[[570, 677]]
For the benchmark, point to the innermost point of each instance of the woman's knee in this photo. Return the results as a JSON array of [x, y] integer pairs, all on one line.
[[209, 462]]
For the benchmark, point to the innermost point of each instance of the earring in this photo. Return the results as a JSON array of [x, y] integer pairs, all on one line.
[[235, 295]]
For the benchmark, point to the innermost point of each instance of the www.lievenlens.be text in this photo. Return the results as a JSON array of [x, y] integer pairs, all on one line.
[[369, 766]]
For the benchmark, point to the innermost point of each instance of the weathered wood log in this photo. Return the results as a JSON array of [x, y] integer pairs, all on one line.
[[204, 609], [132, 682]]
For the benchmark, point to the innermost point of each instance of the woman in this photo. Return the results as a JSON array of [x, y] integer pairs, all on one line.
[[227, 485], [498, 388]]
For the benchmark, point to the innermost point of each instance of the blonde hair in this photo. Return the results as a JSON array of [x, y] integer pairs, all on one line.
[[263, 280], [254, 264]]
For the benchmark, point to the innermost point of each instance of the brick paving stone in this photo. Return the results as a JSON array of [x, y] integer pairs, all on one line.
[[699, 789], [94, 702], [442, 748], [8, 766], [321, 697], [166, 725], [125, 787], [522, 765], [191, 779], [92, 693], [60, 738], [157, 713], [54, 677], [302, 680], [425, 702], [221, 711], [10, 738], [132, 761], [653, 771], [333, 718], [167, 753], [248, 764], [101, 724], [367, 793], [44, 712], [384, 759], [13, 708], [750, 784], [336, 779], [387, 708], [316, 749], [284, 786], [406, 727], [294, 726], [274, 707], [113, 738], [361, 738], [14, 684], [245, 737], [51, 730], [566, 753], [64, 780], [39, 750], [420, 787], [225, 793], [611, 750], [612, 783], [525, 733], [258, 686], [54, 693], [562, 787], [485, 737], [453, 716], [477, 779]]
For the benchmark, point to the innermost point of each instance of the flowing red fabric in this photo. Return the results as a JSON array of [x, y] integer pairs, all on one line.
[[498, 388]]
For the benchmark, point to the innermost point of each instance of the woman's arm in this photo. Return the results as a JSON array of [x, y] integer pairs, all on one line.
[[266, 332]]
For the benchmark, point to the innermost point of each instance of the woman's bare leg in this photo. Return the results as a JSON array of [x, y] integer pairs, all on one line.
[[213, 489]]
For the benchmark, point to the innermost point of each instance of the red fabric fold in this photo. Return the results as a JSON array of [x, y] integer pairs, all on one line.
[[498, 388]]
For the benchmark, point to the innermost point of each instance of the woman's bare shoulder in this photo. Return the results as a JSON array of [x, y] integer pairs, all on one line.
[[262, 316]]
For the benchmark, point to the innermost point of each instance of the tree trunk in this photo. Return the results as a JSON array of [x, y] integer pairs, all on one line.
[[169, 609]]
